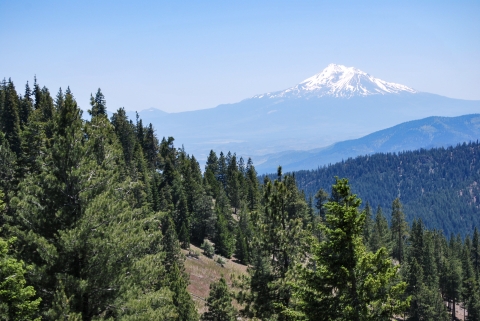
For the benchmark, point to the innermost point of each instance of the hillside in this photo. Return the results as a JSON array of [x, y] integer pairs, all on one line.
[[429, 132], [440, 185]]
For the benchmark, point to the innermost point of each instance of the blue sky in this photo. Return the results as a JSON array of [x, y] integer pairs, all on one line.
[[187, 55]]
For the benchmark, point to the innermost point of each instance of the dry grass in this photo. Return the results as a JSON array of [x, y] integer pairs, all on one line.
[[203, 271]]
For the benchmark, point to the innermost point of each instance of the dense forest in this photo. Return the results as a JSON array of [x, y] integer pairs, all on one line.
[[97, 215], [440, 185]]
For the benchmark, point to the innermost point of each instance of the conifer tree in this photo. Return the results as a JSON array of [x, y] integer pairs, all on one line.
[[26, 106], [98, 104], [125, 131], [279, 246], [476, 252], [244, 235], [204, 218], [453, 277], [368, 226], [222, 171], [11, 119], [211, 175], [224, 238], [219, 303], [426, 303], [177, 279], [3, 90], [321, 197], [380, 232], [399, 230], [469, 294], [76, 224], [233, 183], [252, 186], [8, 165], [345, 282]]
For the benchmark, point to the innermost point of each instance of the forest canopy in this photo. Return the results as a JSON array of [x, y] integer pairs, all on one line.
[[97, 216]]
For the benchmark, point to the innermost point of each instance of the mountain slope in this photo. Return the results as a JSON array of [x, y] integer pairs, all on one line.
[[424, 133], [440, 186], [338, 104]]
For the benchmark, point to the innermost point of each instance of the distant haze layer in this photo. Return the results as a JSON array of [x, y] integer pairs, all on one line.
[[337, 104]]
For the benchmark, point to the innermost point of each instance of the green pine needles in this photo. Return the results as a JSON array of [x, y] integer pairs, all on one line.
[[343, 281]]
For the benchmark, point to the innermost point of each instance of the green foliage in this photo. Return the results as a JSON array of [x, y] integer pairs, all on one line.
[[219, 303], [399, 230], [224, 238], [380, 232], [101, 209], [436, 185], [279, 245], [208, 248], [98, 104], [345, 282], [17, 300], [11, 118], [220, 260]]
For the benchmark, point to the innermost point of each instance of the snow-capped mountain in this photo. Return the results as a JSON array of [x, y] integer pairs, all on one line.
[[340, 81], [337, 104]]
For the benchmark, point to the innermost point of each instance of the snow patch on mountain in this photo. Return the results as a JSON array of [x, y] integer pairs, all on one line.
[[340, 81]]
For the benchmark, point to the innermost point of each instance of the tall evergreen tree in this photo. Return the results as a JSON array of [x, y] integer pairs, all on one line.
[[346, 282], [219, 303], [280, 245], [399, 230], [253, 196], [368, 226], [26, 106], [11, 119], [98, 104], [476, 252], [380, 232]]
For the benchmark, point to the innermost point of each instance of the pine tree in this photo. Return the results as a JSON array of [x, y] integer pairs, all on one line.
[[279, 246], [344, 281], [219, 303], [321, 197], [11, 119], [125, 131], [222, 171], [224, 238], [8, 173], [469, 293], [150, 147], [380, 232], [426, 303], [76, 224], [26, 106], [399, 230], [252, 186], [244, 235], [99, 104], [204, 218], [233, 183], [368, 226], [476, 252], [3, 91]]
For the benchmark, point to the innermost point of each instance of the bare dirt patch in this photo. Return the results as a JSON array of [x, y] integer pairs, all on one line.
[[203, 271]]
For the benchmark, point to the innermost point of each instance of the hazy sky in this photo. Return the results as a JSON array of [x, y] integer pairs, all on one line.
[[186, 55]]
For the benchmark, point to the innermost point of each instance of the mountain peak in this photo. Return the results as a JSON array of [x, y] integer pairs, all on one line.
[[341, 81]]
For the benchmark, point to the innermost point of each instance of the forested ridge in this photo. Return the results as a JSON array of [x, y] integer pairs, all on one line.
[[94, 214], [439, 185]]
